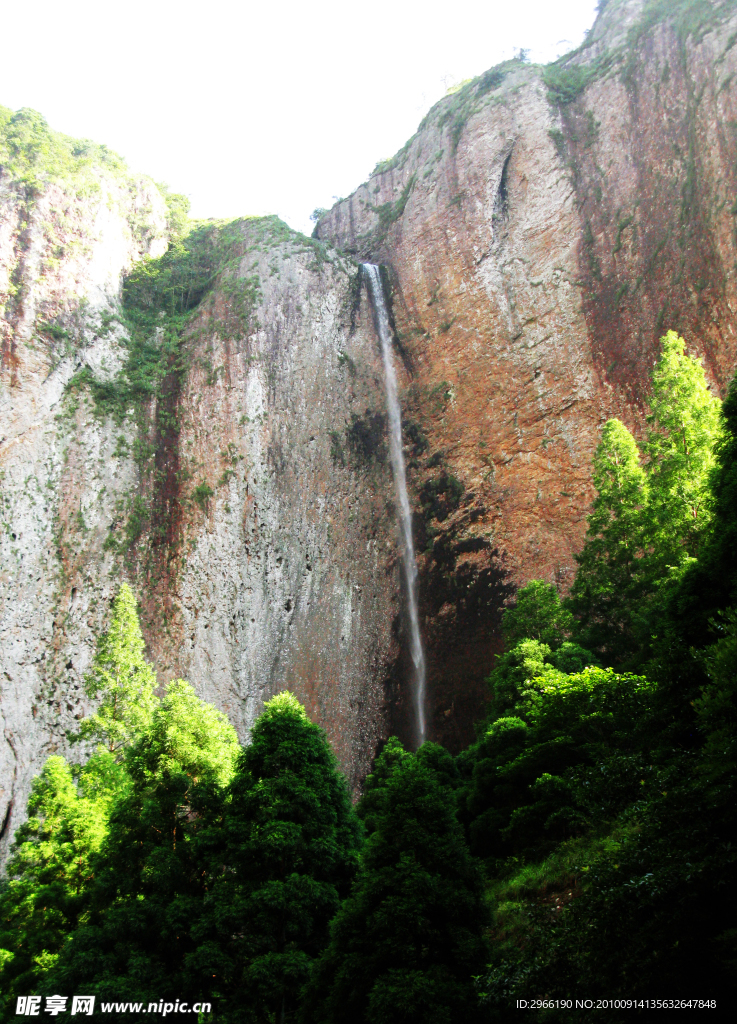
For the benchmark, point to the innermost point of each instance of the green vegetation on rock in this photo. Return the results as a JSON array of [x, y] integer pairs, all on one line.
[[31, 153]]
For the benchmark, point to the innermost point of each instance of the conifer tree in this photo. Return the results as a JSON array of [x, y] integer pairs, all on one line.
[[685, 427], [122, 677], [611, 574], [648, 520], [407, 942], [710, 584], [537, 614], [51, 869], [279, 862]]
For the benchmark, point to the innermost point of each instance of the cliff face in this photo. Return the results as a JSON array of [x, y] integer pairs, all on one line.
[[228, 461], [287, 574], [63, 247], [542, 230], [215, 433]]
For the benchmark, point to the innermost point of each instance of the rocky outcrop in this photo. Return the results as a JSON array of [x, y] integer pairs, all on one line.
[[541, 231], [286, 574]]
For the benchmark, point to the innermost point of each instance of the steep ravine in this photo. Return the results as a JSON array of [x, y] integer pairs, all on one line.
[[541, 231]]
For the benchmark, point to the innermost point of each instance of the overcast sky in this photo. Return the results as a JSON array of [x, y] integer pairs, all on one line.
[[256, 108]]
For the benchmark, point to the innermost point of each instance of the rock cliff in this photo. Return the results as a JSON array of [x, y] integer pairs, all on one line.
[[541, 231], [223, 451], [204, 417]]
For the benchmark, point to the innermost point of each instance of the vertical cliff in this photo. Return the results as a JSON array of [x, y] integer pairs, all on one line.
[[72, 221], [541, 230], [202, 416]]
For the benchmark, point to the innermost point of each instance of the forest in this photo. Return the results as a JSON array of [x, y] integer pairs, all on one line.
[[582, 848]]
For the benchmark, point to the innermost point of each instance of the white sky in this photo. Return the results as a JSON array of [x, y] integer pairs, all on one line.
[[262, 107]]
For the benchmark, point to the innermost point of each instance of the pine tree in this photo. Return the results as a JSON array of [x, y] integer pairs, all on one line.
[[279, 863], [407, 942], [124, 680]]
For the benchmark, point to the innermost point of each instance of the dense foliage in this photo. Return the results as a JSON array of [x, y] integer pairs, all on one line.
[[407, 942], [603, 801], [31, 152], [582, 847]]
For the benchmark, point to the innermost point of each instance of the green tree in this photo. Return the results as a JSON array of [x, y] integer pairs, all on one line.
[[528, 780], [610, 576], [124, 680], [512, 670], [685, 421], [647, 522], [28, 140], [527, 660], [148, 882], [279, 862], [654, 870], [716, 713], [407, 942], [537, 614], [709, 584], [51, 867]]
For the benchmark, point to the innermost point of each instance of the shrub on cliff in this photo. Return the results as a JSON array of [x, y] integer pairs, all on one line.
[[32, 153]]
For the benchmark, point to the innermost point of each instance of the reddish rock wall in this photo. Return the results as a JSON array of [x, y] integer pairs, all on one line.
[[541, 231]]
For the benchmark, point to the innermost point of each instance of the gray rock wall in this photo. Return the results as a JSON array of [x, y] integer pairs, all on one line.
[[264, 554]]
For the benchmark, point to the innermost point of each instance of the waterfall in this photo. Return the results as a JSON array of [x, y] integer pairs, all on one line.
[[396, 456]]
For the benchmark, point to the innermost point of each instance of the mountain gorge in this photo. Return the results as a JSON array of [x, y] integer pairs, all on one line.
[[200, 409]]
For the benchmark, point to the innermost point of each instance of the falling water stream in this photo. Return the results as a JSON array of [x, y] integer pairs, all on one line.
[[396, 456]]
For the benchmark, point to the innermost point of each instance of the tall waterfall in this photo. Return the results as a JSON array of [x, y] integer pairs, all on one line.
[[396, 456]]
